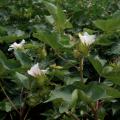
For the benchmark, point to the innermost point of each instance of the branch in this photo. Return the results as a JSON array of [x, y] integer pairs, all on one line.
[[13, 105], [70, 114]]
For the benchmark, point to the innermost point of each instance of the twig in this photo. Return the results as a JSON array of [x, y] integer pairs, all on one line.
[[11, 116], [66, 60], [70, 114], [94, 111], [26, 114], [13, 105], [81, 68], [99, 80], [21, 112]]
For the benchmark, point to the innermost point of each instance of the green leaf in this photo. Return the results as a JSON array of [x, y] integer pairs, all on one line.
[[2, 70], [97, 63], [111, 92], [22, 80], [84, 97], [65, 92], [74, 99], [110, 74], [5, 106], [64, 107], [49, 38], [60, 19], [22, 57], [3, 2], [8, 64], [95, 92], [11, 38], [109, 25], [103, 40], [100, 91], [101, 113], [61, 93], [115, 49], [50, 19]]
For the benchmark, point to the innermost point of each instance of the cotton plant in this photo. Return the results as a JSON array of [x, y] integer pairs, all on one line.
[[83, 48], [15, 45]]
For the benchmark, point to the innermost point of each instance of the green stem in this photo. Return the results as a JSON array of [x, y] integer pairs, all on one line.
[[81, 68], [94, 111], [70, 114], [26, 114]]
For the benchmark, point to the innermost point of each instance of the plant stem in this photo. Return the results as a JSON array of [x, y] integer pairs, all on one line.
[[70, 114], [13, 105], [11, 116], [21, 111], [94, 111], [26, 114], [81, 68], [95, 115]]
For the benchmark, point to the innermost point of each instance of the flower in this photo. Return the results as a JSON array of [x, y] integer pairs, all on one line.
[[16, 45], [86, 38], [36, 71]]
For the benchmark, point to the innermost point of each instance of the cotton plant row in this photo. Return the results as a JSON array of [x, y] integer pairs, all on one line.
[[35, 71]]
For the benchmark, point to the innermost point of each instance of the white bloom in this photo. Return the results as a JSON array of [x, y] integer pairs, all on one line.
[[87, 39], [16, 45], [35, 71]]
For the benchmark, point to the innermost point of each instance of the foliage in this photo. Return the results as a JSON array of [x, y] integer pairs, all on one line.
[[81, 82]]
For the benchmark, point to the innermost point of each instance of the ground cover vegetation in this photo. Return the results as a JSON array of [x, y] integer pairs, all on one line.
[[59, 59]]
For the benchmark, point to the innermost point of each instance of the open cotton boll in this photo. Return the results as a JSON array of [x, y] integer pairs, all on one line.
[[36, 71], [16, 45], [86, 38]]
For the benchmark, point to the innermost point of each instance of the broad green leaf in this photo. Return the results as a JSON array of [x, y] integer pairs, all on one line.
[[8, 64], [63, 93], [74, 99], [10, 38], [100, 91], [103, 40], [111, 92], [115, 49], [109, 25], [71, 80], [5, 106], [22, 80], [3, 2], [101, 113], [2, 70], [60, 19], [49, 38], [64, 107], [85, 97], [110, 74], [97, 63], [22, 57], [2, 56], [50, 19], [95, 92]]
